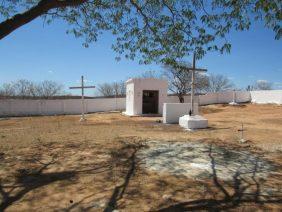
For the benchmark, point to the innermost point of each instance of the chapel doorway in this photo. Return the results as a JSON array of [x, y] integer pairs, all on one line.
[[150, 102]]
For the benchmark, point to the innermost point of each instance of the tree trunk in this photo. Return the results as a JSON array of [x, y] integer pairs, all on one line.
[[181, 98]]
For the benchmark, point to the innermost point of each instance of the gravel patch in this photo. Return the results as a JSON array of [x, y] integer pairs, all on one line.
[[199, 161]]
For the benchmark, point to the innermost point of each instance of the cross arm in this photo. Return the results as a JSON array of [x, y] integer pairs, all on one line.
[[200, 69], [192, 69], [79, 87], [197, 69], [89, 87]]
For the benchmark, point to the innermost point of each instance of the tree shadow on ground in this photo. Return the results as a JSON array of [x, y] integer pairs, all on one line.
[[27, 180], [229, 195], [219, 196], [123, 164], [127, 158]]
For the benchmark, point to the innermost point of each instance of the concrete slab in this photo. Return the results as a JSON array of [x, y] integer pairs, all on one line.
[[201, 160], [233, 103], [193, 122]]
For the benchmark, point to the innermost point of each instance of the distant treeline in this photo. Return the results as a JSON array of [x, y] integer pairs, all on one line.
[[28, 89], [179, 84]]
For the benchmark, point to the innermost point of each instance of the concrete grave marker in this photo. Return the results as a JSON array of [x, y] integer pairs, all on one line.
[[193, 121]]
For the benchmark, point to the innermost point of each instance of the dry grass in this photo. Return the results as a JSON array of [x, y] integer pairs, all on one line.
[[56, 163]]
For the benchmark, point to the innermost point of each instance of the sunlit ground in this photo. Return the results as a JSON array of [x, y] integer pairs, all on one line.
[[137, 164]]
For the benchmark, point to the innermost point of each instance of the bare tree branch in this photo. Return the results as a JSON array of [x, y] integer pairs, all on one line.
[[179, 80], [219, 82], [18, 20], [112, 89], [26, 89]]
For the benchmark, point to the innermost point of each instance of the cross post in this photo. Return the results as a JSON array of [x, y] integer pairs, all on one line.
[[194, 70], [193, 83], [242, 130], [82, 87]]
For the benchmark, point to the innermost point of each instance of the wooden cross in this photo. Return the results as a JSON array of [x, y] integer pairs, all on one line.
[[242, 140], [82, 87], [193, 69]]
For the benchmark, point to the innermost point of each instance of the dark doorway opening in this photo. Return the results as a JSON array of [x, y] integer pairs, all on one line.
[[150, 102]]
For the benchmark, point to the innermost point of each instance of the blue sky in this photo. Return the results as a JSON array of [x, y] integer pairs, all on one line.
[[45, 52]]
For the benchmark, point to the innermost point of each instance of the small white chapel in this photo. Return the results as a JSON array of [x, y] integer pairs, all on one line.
[[145, 96]]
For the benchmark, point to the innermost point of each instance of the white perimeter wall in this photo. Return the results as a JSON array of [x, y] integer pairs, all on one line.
[[175, 99], [224, 97], [17, 107], [267, 97]]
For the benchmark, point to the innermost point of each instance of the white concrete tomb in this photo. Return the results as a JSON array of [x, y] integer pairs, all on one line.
[[173, 111], [193, 122], [145, 96]]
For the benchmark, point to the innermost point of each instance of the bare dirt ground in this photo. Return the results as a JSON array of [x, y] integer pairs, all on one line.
[[115, 162]]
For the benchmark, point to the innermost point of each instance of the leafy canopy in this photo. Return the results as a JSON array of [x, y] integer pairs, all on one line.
[[156, 30]]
